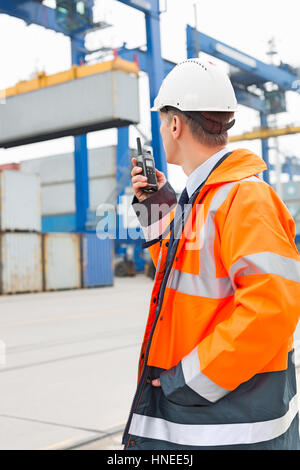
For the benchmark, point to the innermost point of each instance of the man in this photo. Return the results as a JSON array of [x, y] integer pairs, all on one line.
[[216, 367]]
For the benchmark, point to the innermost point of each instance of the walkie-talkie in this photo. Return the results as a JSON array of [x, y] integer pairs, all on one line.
[[146, 162]]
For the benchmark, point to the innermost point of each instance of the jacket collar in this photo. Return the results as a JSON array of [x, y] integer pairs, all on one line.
[[240, 164]]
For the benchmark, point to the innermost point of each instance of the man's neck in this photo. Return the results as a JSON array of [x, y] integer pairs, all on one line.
[[196, 156]]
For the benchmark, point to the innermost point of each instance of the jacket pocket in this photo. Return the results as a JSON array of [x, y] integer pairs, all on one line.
[[177, 391]]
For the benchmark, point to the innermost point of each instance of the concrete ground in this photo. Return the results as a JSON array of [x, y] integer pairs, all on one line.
[[70, 365], [71, 362]]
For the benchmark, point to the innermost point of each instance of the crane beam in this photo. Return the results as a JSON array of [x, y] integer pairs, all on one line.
[[265, 133], [259, 71]]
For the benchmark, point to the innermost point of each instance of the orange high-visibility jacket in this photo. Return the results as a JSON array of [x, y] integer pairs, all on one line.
[[224, 321]]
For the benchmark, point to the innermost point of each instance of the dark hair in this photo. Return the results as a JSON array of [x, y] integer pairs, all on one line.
[[200, 134]]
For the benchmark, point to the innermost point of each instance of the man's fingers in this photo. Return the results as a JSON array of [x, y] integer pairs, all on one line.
[[160, 176], [138, 178], [136, 170], [139, 185]]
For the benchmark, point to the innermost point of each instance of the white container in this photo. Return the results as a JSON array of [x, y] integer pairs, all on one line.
[[21, 262], [61, 254], [60, 168], [102, 162], [20, 201], [53, 169], [58, 199], [87, 104], [101, 191], [57, 179]]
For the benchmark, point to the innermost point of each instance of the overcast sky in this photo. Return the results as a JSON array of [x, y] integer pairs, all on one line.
[[248, 26]]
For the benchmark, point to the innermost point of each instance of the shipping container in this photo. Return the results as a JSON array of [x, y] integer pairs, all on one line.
[[52, 169], [61, 261], [21, 262], [58, 199], [64, 223], [58, 188], [101, 162], [10, 166], [20, 201], [102, 190], [97, 261], [94, 102]]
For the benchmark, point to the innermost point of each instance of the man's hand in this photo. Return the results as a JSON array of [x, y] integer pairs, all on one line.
[[156, 383], [139, 181]]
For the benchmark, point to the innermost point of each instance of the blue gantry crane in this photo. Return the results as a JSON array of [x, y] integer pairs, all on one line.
[[250, 76]]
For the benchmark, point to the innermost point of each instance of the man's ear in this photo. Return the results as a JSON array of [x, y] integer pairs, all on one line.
[[176, 127]]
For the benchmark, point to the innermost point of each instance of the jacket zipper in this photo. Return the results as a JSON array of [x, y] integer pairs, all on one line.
[[138, 395]]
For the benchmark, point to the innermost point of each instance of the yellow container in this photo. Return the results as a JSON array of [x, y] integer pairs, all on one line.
[[43, 80]]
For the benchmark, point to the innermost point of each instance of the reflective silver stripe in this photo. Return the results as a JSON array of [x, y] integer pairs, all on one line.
[[202, 286], [159, 260], [254, 179], [206, 252], [199, 382], [207, 284], [212, 434], [158, 264], [266, 263]]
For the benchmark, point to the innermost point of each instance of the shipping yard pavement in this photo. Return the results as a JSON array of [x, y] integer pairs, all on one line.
[[70, 365]]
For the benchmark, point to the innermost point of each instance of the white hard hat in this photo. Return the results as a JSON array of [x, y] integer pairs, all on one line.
[[196, 85]]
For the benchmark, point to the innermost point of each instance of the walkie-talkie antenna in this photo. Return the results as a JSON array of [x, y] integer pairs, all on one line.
[[139, 146]]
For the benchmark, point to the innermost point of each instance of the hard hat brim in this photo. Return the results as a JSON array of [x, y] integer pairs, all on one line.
[[222, 110]]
